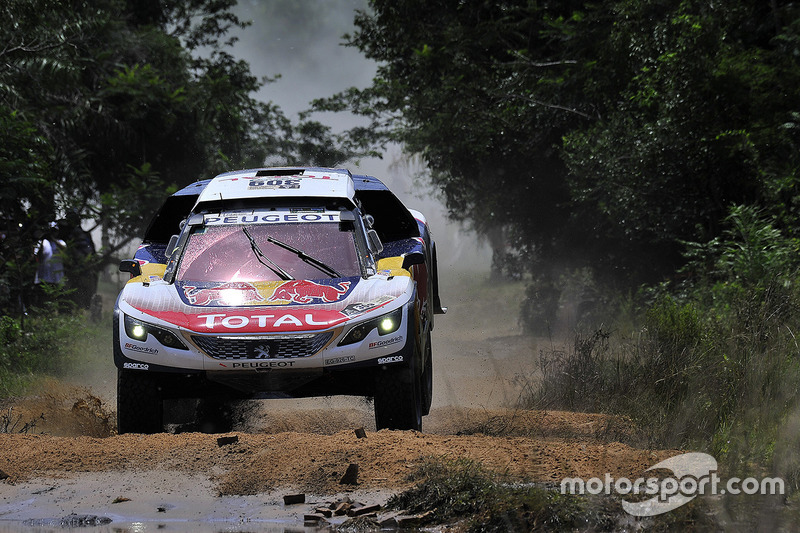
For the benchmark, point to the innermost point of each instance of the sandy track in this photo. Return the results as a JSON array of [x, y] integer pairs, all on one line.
[[482, 365], [315, 463]]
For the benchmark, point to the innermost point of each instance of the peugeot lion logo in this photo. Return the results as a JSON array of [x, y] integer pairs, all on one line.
[[262, 352]]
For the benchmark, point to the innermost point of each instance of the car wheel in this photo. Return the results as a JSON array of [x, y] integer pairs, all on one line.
[[140, 406], [398, 396], [427, 378]]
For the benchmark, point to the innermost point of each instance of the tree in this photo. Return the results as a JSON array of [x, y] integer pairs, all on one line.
[[25, 195], [482, 91], [697, 127], [602, 135], [124, 101]]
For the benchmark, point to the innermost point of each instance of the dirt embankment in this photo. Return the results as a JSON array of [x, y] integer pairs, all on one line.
[[555, 445]]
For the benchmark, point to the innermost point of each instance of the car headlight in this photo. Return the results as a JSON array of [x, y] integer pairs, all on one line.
[[138, 330], [386, 324]]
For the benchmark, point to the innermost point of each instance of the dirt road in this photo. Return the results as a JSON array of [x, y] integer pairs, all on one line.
[[73, 462]]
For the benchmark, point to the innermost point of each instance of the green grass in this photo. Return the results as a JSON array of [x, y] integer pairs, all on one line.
[[462, 491], [49, 344], [693, 378]]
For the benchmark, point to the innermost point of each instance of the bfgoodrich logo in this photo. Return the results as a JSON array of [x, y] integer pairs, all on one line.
[[693, 474], [141, 349], [387, 342]]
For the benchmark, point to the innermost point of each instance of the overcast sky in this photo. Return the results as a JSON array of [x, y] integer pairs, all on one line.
[[301, 40]]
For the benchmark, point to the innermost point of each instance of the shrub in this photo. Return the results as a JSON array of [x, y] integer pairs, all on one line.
[[49, 344], [714, 365], [461, 489]]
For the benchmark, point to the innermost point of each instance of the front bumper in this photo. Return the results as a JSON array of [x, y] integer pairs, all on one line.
[[297, 364]]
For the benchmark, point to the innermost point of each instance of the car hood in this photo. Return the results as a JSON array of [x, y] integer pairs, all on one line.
[[275, 306]]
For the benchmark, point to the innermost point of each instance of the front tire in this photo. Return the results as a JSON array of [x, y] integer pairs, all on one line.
[[140, 405], [427, 378], [398, 396]]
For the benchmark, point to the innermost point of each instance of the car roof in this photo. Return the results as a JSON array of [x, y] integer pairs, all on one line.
[[393, 221], [280, 183], [368, 183], [360, 181]]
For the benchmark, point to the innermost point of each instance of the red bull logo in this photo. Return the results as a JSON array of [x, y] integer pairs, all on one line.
[[306, 292], [233, 293]]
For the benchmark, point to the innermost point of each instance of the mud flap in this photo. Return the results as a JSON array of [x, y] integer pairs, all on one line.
[[140, 406], [398, 395]]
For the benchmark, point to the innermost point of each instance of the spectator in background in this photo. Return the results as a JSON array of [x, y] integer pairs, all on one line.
[[49, 264]]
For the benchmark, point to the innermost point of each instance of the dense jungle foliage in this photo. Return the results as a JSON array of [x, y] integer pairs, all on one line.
[[595, 134]]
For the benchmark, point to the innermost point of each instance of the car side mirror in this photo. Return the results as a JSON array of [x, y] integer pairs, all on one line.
[[173, 243], [131, 266], [375, 243], [413, 258]]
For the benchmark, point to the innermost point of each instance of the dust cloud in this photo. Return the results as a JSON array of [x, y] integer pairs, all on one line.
[[59, 408], [302, 42]]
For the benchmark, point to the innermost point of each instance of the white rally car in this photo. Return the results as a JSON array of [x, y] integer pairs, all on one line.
[[279, 282]]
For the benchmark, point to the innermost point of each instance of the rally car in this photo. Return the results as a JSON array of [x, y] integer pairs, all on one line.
[[279, 282]]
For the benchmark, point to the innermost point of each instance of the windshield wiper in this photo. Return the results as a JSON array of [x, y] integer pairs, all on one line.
[[261, 257], [329, 270]]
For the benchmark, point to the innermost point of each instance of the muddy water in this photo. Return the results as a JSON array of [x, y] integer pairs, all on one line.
[[176, 527], [168, 501]]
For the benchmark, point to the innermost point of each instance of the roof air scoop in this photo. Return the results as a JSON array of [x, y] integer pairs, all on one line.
[[280, 172]]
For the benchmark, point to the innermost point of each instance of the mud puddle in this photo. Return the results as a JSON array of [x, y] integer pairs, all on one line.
[[162, 501], [276, 526]]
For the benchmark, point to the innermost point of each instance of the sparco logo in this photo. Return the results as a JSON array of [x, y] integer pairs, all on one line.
[[392, 359], [136, 366]]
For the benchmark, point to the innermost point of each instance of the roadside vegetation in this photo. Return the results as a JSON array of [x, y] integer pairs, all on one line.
[[462, 493], [710, 362], [50, 344]]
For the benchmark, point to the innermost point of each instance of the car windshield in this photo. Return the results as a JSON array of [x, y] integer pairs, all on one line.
[[226, 253]]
